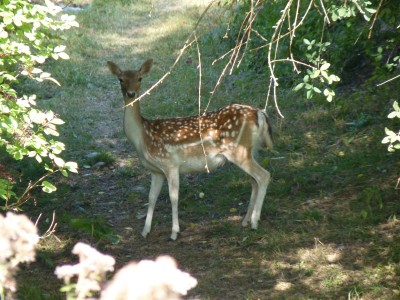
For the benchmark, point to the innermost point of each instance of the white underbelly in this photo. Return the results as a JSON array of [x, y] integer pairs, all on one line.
[[200, 164]]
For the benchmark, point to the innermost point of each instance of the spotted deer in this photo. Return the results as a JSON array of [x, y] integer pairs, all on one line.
[[169, 147]]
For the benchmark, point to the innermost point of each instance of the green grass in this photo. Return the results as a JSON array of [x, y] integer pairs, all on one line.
[[329, 223]]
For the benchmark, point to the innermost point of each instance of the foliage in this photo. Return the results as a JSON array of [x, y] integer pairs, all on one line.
[[329, 40], [393, 138], [28, 36]]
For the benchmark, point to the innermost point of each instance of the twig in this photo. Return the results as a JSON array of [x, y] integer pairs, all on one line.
[[395, 77], [374, 20], [188, 43], [51, 229], [294, 61], [25, 197], [201, 137], [287, 33], [271, 66], [326, 14], [292, 35]]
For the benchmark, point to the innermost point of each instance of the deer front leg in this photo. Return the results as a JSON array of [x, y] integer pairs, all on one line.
[[173, 185], [156, 185]]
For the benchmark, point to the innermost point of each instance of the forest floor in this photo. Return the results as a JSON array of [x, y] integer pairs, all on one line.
[[328, 230]]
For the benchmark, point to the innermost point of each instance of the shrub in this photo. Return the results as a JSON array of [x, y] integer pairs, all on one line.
[[29, 34]]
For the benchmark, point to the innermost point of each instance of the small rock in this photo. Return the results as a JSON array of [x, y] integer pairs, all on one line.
[[99, 165], [92, 154], [139, 188]]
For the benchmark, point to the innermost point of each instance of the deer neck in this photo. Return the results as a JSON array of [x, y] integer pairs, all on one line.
[[133, 126]]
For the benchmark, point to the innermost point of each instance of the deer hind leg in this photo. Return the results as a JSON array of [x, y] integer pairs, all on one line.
[[262, 177], [254, 192], [173, 186], [156, 185]]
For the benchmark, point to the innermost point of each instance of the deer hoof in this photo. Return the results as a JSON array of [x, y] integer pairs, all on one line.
[[254, 226], [174, 236], [245, 223]]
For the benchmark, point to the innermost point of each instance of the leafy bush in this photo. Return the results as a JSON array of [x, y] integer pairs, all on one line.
[[353, 40], [29, 34]]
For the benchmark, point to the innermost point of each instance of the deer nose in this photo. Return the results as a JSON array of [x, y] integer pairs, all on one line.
[[131, 94]]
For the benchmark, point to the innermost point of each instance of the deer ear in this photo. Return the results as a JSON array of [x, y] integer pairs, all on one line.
[[145, 68], [114, 68]]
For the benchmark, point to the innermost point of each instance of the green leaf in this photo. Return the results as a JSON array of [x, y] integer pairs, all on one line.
[[394, 114], [47, 187], [334, 77], [57, 121], [315, 74], [299, 86], [342, 12], [63, 55], [71, 166], [59, 48], [386, 140], [59, 162], [317, 90], [370, 10], [389, 132], [396, 106], [325, 66]]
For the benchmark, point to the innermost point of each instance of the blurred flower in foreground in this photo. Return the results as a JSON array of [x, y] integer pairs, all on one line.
[[91, 271], [149, 280], [18, 240]]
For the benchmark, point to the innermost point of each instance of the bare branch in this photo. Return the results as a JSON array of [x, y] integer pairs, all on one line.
[[374, 20], [382, 83], [51, 229], [189, 42], [201, 137]]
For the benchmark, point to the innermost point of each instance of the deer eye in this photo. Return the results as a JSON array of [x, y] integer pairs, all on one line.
[[120, 80], [140, 79]]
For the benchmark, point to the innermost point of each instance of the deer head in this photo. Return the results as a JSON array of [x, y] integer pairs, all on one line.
[[130, 80]]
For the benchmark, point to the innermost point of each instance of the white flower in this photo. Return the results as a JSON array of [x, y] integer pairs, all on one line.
[[91, 270], [18, 240], [149, 280]]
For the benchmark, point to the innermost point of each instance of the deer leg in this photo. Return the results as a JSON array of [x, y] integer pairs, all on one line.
[[254, 192], [155, 188], [173, 185], [261, 177]]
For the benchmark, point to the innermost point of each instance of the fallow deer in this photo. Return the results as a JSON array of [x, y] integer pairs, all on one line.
[[169, 147]]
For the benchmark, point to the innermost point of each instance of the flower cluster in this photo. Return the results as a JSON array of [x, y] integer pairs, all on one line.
[[146, 280], [149, 280], [90, 270], [18, 240]]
